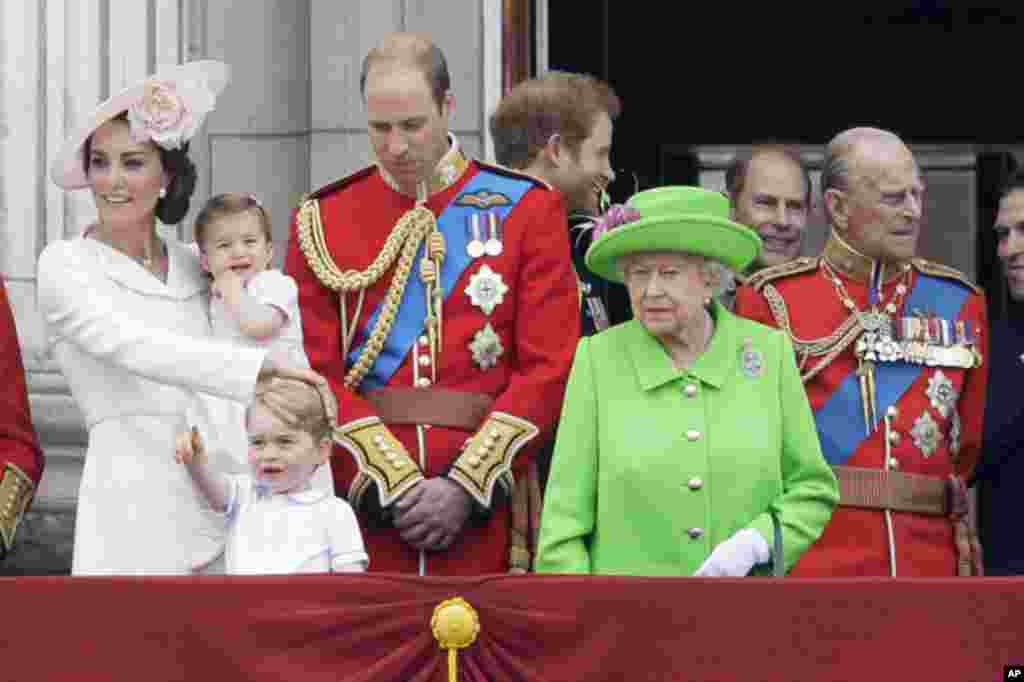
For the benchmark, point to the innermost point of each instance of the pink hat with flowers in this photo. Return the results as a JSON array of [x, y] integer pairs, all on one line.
[[166, 108]]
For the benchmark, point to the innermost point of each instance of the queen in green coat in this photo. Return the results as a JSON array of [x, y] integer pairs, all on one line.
[[685, 430]]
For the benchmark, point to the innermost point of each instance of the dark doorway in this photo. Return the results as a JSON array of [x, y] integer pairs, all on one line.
[[936, 73]]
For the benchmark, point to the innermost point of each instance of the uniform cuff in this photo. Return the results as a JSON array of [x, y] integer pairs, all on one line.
[[382, 460], [16, 491], [486, 459]]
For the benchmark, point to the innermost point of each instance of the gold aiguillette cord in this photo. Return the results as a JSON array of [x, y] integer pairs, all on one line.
[[868, 397]]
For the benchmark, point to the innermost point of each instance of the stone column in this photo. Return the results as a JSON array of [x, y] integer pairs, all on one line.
[[60, 58], [342, 34]]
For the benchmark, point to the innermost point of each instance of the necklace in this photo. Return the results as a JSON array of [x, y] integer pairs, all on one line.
[[876, 342], [880, 310], [146, 260]]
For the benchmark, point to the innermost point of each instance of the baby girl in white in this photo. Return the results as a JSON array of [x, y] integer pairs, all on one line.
[[251, 304]]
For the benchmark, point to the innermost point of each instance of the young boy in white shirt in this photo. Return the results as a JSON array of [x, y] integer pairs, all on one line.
[[251, 304], [278, 522]]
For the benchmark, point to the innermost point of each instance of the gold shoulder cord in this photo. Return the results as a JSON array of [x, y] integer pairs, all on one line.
[[829, 346], [401, 244]]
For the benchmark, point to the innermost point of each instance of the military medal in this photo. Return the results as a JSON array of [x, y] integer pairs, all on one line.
[[752, 361], [493, 247], [941, 393], [876, 342], [936, 342], [486, 289], [926, 434], [474, 247], [486, 347]]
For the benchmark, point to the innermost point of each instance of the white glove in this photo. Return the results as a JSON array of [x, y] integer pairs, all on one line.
[[736, 556]]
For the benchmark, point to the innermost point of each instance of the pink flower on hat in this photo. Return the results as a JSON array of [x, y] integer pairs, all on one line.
[[169, 114], [615, 216]]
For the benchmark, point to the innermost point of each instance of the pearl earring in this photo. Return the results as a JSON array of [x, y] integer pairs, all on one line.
[[163, 192]]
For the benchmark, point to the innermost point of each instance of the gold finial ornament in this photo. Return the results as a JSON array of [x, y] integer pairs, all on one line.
[[455, 625]]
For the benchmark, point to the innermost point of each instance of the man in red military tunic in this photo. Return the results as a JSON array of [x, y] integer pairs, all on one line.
[[21, 459], [438, 298], [892, 349]]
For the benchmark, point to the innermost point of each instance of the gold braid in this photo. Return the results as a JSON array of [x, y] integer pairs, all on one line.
[[402, 244], [830, 346]]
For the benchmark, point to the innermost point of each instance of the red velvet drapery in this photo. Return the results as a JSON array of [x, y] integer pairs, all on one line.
[[377, 627]]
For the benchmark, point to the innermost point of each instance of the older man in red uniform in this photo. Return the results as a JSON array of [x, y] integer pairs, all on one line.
[[21, 460], [438, 298], [892, 349]]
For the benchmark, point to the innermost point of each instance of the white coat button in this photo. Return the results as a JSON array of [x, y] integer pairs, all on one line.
[[894, 463], [424, 341], [692, 435], [423, 382], [696, 533], [695, 484], [690, 390], [424, 360]]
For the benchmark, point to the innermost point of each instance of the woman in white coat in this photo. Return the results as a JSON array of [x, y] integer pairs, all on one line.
[[126, 311]]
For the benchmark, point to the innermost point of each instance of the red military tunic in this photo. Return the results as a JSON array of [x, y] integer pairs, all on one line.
[[21, 459], [855, 543], [537, 322]]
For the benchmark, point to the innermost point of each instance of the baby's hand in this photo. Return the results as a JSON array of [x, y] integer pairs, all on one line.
[[228, 284], [188, 447]]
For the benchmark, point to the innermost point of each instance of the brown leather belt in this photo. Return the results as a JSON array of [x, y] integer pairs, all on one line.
[[895, 490], [433, 406]]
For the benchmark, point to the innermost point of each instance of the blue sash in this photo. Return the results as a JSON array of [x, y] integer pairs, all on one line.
[[840, 420], [412, 311]]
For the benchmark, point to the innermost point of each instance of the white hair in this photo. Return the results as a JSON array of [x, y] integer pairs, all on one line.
[[720, 275]]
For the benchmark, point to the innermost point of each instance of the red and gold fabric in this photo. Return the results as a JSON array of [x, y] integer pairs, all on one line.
[[931, 429], [21, 459], [504, 342]]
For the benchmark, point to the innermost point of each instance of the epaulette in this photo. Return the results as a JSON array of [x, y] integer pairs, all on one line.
[[337, 184], [793, 267], [938, 270], [512, 173]]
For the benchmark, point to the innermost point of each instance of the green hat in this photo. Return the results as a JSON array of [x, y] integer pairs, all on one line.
[[686, 219]]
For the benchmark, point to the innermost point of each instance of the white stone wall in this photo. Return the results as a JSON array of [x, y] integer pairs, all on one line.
[[59, 58], [343, 32], [291, 120]]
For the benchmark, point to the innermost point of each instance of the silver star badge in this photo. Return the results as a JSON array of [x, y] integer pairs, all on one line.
[[941, 393], [926, 434], [486, 289], [486, 347]]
